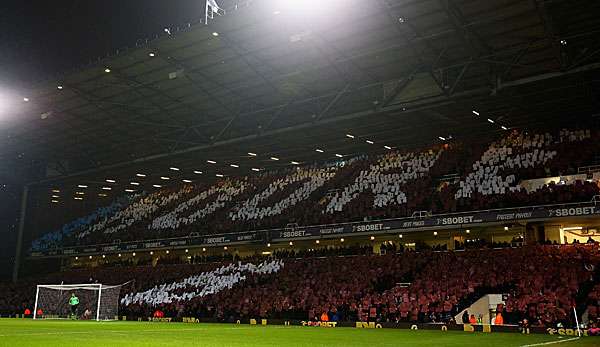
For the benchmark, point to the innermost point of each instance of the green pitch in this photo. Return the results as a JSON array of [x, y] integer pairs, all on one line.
[[17, 332]]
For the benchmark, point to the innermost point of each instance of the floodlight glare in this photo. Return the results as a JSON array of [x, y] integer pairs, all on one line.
[[308, 7]]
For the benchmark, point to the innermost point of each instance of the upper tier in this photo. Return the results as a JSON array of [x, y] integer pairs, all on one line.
[[394, 184]]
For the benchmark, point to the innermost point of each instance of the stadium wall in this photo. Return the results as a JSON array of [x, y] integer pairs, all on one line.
[[546, 213], [369, 325]]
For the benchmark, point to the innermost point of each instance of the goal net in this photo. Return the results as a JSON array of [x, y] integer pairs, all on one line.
[[90, 301]]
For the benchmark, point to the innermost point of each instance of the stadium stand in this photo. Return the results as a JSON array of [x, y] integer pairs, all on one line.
[[542, 283], [360, 282], [391, 185]]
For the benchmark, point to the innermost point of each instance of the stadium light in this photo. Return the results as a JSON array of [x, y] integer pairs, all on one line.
[[319, 150], [129, 190], [274, 158], [140, 175], [198, 172], [504, 128], [55, 191], [442, 138], [203, 249], [342, 239], [135, 183], [291, 243], [82, 186], [59, 87], [26, 99], [165, 178], [435, 233], [133, 254], [107, 70], [225, 248], [111, 181], [54, 201], [308, 8], [369, 142], [157, 186], [220, 175], [387, 147], [490, 120], [252, 154], [211, 161], [295, 163], [255, 169], [102, 195], [505, 228], [317, 242], [187, 250], [372, 238], [339, 155], [187, 181], [55, 196], [151, 54], [475, 113], [174, 168], [234, 165], [350, 136], [106, 188], [400, 236], [215, 34], [468, 231]]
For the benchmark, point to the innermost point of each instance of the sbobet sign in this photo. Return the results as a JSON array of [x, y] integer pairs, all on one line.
[[573, 211], [319, 324]]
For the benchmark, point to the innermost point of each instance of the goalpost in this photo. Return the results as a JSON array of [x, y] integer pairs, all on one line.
[[99, 301]]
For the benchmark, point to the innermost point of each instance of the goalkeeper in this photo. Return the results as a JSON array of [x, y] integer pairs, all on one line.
[[74, 303]]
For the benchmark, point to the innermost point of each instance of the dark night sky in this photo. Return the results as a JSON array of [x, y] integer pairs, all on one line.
[[43, 39]]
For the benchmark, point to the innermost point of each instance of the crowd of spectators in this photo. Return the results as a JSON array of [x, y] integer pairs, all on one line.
[[79, 225], [222, 192], [594, 304], [541, 284], [385, 179], [511, 154], [309, 180], [201, 285], [391, 185]]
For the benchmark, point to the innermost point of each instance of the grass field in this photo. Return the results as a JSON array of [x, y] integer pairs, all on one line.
[[16, 332]]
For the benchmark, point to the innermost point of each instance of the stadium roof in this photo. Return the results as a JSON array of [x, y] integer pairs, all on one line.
[[266, 81]]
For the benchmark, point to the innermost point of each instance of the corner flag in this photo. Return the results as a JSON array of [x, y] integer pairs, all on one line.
[[212, 8]]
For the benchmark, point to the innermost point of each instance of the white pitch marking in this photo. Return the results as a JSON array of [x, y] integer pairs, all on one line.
[[120, 331], [551, 342]]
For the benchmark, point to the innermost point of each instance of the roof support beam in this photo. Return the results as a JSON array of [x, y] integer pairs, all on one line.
[[333, 101], [469, 37], [559, 54], [412, 107], [459, 78], [401, 85]]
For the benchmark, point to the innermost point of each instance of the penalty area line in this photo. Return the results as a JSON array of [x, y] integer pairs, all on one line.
[[551, 342]]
